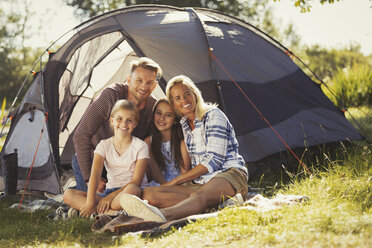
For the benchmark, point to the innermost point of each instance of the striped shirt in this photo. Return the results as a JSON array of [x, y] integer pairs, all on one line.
[[212, 144], [94, 126]]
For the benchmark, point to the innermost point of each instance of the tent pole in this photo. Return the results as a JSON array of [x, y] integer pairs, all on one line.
[[46, 113], [212, 65], [222, 100]]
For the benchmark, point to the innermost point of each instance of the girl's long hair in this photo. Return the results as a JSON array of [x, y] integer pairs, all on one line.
[[176, 138]]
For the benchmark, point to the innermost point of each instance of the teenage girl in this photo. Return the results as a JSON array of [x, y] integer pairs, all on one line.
[[168, 154], [125, 158]]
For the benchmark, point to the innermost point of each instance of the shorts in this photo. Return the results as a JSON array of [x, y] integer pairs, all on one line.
[[236, 177], [107, 192]]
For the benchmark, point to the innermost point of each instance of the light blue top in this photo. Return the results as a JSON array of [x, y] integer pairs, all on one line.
[[171, 171]]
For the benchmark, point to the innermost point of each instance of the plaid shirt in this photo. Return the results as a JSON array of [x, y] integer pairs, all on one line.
[[213, 144]]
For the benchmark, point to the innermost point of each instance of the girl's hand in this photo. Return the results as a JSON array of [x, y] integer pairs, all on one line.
[[87, 209], [101, 185], [104, 204]]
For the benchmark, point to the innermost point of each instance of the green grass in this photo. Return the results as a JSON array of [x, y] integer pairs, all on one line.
[[339, 214], [353, 86], [363, 116], [19, 228]]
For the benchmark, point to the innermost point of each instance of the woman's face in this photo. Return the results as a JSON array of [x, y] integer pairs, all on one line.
[[184, 100], [164, 117]]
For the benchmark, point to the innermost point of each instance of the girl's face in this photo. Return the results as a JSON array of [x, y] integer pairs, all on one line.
[[123, 122], [184, 100], [164, 117]]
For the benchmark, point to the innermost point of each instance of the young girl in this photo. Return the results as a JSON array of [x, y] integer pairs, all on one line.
[[168, 154], [125, 158]]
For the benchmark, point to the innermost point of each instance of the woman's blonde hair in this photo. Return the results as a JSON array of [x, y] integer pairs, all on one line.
[[126, 105], [201, 106]]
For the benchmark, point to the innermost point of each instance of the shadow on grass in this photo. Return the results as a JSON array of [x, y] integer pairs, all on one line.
[[20, 228]]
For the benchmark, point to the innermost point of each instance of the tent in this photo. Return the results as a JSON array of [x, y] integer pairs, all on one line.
[[215, 50]]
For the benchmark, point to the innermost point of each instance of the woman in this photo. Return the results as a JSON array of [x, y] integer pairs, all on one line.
[[218, 171]]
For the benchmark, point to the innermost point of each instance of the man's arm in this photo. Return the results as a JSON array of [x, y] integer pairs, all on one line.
[[94, 117]]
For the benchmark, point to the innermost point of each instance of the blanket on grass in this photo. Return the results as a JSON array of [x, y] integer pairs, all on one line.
[[121, 223], [54, 203], [124, 224]]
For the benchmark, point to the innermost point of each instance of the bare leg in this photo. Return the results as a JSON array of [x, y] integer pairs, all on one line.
[[75, 198], [207, 196], [166, 196], [129, 189]]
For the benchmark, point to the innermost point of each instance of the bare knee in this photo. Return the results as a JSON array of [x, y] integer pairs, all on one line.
[[67, 196], [133, 190], [201, 198], [149, 194]]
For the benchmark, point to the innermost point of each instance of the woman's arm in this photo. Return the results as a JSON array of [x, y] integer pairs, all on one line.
[[192, 174], [218, 132], [185, 157], [95, 176]]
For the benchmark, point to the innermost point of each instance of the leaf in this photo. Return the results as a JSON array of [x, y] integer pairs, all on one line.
[[3, 109]]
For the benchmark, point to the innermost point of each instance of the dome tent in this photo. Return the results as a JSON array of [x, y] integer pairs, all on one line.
[[180, 40]]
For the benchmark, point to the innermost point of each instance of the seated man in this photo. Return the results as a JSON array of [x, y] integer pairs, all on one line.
[[94, 126]]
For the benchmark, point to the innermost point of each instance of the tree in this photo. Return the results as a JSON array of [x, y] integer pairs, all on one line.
[[305, 5], [15, 59], [325, 63]]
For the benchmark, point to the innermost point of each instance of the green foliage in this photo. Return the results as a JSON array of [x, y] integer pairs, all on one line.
[[305, 5], [3, 129], [362, 115], [353, 86], [3, 112], [15, 59], [325, 63]]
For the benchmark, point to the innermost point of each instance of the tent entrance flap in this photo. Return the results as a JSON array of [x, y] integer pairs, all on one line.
[[76, 95]]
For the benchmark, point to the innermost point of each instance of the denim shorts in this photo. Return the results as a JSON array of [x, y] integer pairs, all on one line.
[[107, 192]]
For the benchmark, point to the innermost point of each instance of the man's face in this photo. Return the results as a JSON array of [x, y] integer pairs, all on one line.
[[141, 83]]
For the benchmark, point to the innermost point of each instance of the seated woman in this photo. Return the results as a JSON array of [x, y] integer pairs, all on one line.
[[218, 171], [168, 154]]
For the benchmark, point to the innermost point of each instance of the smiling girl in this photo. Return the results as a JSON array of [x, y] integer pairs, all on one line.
[[168, 153], [125, 158]]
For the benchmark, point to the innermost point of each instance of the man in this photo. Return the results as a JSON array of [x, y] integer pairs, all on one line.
[[94, 125]]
